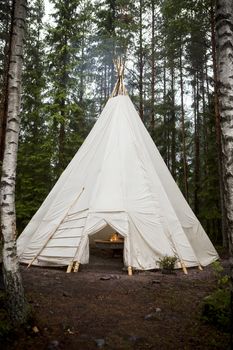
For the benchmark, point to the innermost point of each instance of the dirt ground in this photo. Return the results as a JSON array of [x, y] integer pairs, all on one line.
[[101, 307]]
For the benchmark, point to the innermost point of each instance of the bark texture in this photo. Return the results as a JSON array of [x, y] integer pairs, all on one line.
[[224, 42], [18, 308], [218, 126], [141, 109], [3, 94], [185, 164], [152, 68]]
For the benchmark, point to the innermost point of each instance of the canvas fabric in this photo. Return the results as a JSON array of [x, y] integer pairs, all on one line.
[[116, 179]]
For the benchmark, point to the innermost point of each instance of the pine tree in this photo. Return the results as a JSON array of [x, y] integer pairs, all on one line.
[[64, 41], [33, 171]]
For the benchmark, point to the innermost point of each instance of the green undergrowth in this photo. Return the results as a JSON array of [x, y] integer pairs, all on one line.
[[5, 325], [9, 332], [216, 306]]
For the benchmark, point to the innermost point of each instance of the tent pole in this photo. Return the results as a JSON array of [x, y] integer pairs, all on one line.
[[119, 88], [200, 268], [69, 267], [76, 266], [183, 267], [130, 271], [51, 236], [76, 263]]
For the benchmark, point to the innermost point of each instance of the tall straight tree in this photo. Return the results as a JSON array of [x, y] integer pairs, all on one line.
[[140, 61], [152, 68], [217, 124], [224, 39], [17, 304], [64, 39], [5, 15]]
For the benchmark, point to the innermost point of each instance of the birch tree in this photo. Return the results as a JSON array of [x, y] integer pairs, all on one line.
[[224, 41], [17, 305]]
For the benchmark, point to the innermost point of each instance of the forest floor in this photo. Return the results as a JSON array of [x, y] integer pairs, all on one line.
[[101, 307]]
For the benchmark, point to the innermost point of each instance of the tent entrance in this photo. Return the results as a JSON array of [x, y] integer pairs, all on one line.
[[106, 250]]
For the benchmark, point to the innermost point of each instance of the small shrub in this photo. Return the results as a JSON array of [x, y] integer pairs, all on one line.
[[216, 309], [167, 263]]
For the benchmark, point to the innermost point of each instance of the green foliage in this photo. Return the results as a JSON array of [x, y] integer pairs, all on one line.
[[33, 169], [5, 325], [69, 74], [216, 307], [223, 280], [168, 262]]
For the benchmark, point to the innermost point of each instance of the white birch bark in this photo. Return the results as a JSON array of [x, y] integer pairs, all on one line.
[[12, 278], [224, 40]]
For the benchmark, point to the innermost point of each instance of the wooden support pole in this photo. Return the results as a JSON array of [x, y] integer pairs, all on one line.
[[130, 271], [76, 266], [69, 267], [119, 88], [183, 267]]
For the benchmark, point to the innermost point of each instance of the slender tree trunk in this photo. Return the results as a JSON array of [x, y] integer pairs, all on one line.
[[101, 90], [185, 165], [81, 92], [153, 68], [62, 105], [4, 92], [165, 133], [141, 111], [197, 145], [61, 140], [105, 82], [218, 129], [18, 309], [173, 126], [224, 39], [205, 127], [207, 80]]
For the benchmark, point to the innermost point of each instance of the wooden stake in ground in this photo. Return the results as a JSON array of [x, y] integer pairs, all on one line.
[[17, 305]]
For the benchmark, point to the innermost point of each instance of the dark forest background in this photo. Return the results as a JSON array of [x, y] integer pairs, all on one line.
[[68, 75]]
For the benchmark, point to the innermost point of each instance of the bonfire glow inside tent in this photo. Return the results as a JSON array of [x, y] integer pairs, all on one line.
[[117, 179]]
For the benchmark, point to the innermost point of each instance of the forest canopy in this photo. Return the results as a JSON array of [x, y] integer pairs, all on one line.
[[68, 75]]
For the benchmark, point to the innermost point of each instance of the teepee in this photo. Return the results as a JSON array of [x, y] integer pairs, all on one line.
[[116, 182]]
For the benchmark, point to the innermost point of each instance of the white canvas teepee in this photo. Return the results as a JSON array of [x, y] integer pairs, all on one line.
[[118, 180]]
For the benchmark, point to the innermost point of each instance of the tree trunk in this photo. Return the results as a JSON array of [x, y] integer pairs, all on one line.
[[218, 129], [141, 112], [3, 99], [153, 69], [197, 145], [105, 82], [224, 40], [165, 133], [185, 165], [173, 124], [17, 304], [81, 88], [205, 126], [62, 106]]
